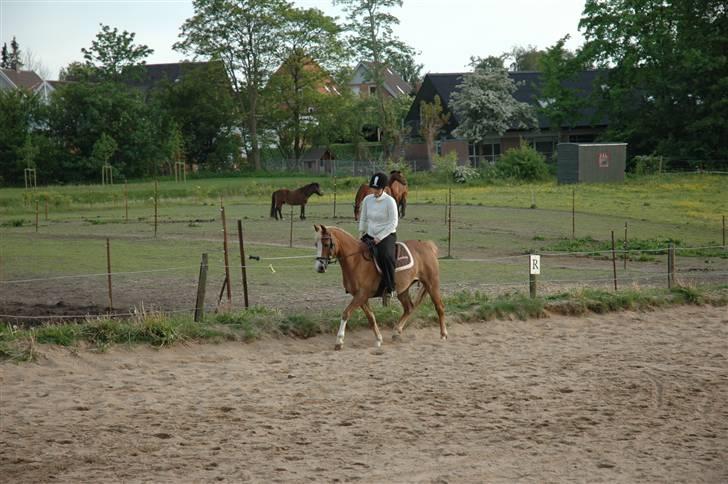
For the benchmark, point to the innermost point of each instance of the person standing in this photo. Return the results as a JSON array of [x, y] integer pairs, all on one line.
[[378, 223]]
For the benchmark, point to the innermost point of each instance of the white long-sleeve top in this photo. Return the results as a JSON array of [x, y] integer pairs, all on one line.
[[379, 216]]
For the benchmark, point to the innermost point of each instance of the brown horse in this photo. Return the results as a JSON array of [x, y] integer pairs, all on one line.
[[361, 279], [397, 188], [293, 197]]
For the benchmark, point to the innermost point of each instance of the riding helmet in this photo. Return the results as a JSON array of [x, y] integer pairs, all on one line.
[[378, 180]]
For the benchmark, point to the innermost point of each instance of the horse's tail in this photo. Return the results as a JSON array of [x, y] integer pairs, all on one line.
[[357, 200], [273, 205]]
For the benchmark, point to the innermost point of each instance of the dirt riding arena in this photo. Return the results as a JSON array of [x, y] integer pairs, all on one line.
[[626, 397]]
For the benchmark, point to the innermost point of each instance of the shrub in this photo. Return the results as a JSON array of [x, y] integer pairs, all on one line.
[[647, 164], [522, 163], [447, 168]]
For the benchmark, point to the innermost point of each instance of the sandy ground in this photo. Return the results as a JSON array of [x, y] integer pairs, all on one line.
[[627, 397]]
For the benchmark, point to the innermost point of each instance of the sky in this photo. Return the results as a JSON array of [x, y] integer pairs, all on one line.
[[445, 33]]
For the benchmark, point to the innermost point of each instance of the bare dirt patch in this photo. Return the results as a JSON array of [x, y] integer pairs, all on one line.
[[617, 398]]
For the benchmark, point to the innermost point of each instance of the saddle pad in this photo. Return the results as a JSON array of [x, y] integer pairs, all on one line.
[[403, 259]]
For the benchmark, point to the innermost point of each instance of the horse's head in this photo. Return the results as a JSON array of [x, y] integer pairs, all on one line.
[[396, 175], [326, 248], [315, 188]]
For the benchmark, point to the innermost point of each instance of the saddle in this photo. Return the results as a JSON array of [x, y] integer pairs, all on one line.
[[403, 258]]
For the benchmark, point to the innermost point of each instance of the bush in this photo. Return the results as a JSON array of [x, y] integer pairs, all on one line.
[[522, 163], [647, 164], [447, 168]]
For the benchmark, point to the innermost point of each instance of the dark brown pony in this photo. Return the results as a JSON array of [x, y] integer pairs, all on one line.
[[293, 197], [361, 279], [397, 188]]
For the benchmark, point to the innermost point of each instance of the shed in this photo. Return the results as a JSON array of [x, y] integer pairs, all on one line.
[[591, 162], [318, 160]]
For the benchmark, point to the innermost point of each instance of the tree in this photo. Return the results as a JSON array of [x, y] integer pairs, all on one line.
[[5, 59], [490, 62], [560, 104], [77, 71], [244, 35], [310, 48], [103, 149], [372, 35], [405, 65], [665, 90], [204, 110], [14, 60], [113, 55], [484, 105], [525, 58], [432, 119]]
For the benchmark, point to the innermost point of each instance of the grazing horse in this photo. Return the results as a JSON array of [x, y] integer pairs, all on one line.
[[293, 197], [397, 188], [361, 279]]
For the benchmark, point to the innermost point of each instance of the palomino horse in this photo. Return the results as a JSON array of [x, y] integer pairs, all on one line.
[[293, 197], [397, 188], [361, 279]]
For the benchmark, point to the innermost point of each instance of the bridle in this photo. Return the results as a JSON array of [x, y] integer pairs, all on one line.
[[327, 242]]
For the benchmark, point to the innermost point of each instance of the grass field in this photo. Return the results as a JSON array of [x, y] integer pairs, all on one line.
[[493, 227]]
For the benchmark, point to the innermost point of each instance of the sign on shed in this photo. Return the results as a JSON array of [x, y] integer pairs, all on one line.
[[591, 162]]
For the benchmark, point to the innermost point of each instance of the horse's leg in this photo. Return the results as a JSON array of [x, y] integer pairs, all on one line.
[[372, 323], [433, 289], [279, 212], [345, 315], [303, 211], [406, 301]]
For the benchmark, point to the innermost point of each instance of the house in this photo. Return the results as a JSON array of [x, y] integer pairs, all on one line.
[[150, 75], [318, 160], [362, 82], [28, 80], [544, 139]]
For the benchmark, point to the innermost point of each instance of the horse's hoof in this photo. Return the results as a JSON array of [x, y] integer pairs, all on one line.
[[396, 337], [443, 337], [338, 346]]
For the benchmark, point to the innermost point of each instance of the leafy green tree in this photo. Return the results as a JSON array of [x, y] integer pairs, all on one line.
[[103, 149], [559, 103], [310, 48], [204, 110], [484, 105], [113, 56], [432, 119], [244, 35], [80, 113], [77, 71], [490, 62], [20, 112], [405, 65], [525, 58], [665, 91], [372, 36]]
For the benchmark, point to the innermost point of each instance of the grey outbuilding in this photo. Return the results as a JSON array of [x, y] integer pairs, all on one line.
[[591, 162]]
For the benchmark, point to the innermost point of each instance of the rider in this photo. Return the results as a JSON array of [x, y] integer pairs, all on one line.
[[378, 223]]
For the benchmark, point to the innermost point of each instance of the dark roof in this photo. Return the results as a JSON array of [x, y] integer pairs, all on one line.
[[528, 90], [26, 79], [392, 79], [152, 74]]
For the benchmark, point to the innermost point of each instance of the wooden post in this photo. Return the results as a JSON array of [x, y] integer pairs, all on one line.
[[573, 213], [614, 263], [624, 247], [449, 223], [225, 249], [532, 285], [46, 209], [242, 262], [108, 273], [201, 286], [290, 235], [126, 202], [334, 196], [534, 268], [156, 205], [36, 215], [671, 266], [723, 231]]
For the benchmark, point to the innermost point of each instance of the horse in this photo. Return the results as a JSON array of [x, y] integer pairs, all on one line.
[[361, 279], [397, 188], [293, 197]]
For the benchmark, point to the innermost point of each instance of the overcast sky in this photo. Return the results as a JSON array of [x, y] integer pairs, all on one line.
[[446, 33]]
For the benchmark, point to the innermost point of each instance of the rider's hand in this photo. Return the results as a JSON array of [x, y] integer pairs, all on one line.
[[376, 241]]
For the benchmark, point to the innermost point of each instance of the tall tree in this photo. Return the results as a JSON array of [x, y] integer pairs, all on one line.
[[244, 35], [407, 67], [372, 36], [525, 58], [666, 87], [14, 60], [5, 59], [20, 113], [432, 119], [489, 62], [484, 105], [559, 103], [114, 56], [310, 48]]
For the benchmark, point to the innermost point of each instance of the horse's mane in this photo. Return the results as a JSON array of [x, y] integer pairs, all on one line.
[[310, 188], [397, 176]]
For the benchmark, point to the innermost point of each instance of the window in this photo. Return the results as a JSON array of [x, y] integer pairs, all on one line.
[[582, 138], [544, 145], [372, 89], [483, 153]]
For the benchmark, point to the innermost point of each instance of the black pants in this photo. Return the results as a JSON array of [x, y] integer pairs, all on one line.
[[384, 252]]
